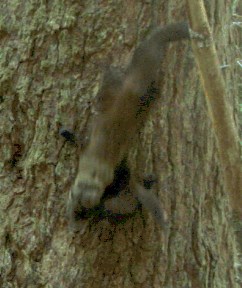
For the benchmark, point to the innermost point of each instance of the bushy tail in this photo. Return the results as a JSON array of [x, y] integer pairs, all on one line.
[[171, 32], [147, 57]]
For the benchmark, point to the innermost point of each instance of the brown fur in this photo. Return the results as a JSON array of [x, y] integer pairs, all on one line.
[[124, 102]]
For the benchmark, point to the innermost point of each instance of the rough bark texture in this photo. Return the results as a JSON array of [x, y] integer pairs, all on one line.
[[52, 58], [218, 105]]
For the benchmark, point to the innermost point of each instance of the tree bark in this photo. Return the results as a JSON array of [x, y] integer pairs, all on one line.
[[215, 91], [52, 58]]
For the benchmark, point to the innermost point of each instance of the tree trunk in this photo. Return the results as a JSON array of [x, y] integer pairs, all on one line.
[[53, 55]]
